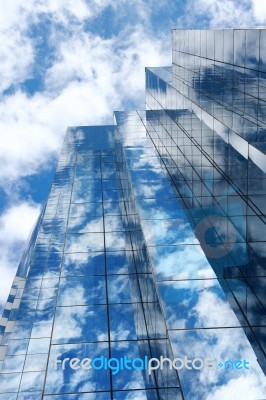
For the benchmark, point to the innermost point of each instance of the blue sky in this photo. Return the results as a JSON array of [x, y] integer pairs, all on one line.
[[66, 63]]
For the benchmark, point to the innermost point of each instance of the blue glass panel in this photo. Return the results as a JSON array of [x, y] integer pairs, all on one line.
[[119, 262], [165, 376], [196, 304], [113, 223], [168, 232], [13, 364], [136, 395], [160, 208], [82, 291], [8, 396], [86, 210], [154, 320], [35, 362], [83, 264], [131, 378], [81, 396], [32, 381], [85, 224], [122, 289], [84, 192], [38, 346], [17, 347], [41, 330], [9, 382], [79, 243], [80, 323], [80, 380], [122, 321], [117, 241], [172, 393], [29, 396], [221, 345], [180, 262], [114, 208]]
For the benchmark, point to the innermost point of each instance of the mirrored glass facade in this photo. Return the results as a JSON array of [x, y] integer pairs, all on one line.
[[152, 243]]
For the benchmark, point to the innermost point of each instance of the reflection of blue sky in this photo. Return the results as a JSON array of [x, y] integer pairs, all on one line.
[[155, 320], [95, 137], [136, 395], [32, 381], [147, 288], [122, 289], [196, 304], [147, 175], [166, 377], [87, 176], [149, 187], [68, 380], [160, 208], [80, 323], [83, 225], [142, 160], [114, 223], [82, 291], [122, 321], [81, 396], [38, 346], [251, 304], [9, 382], [76, 243], [131, 133], [35, 362], [258, 284], [17, 347], [113, 208], [180, 262], [117, 262], [40, 330], [168, 232], [116, 241], [13, 364], [28, 381], [84, 191], [127, 379], [222, 344], [195, 300], [111, 195], [83, 264]]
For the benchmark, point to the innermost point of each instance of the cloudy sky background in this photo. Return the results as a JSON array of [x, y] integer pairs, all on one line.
[[65, 63]]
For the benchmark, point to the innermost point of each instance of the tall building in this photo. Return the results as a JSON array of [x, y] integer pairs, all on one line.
[[152, 243]]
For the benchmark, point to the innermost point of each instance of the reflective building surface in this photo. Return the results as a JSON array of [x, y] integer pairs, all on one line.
[[152, 243]]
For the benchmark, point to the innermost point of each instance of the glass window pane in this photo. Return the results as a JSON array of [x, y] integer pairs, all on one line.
[[80, 323], [71, 380]]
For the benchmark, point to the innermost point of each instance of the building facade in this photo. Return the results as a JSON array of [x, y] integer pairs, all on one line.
[[144, 277]]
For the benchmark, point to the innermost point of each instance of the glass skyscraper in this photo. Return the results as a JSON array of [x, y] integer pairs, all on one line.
[[152, 243]]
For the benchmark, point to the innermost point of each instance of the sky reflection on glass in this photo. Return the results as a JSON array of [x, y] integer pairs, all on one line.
[[140, 243]]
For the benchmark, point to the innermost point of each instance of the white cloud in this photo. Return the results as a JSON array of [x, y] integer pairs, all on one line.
[[89, 76], [251, 387], [224, 13], [89, 79], [18, 55], [17, 48], [212, 310], [259, 10], [15, 225], [13, 222]]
